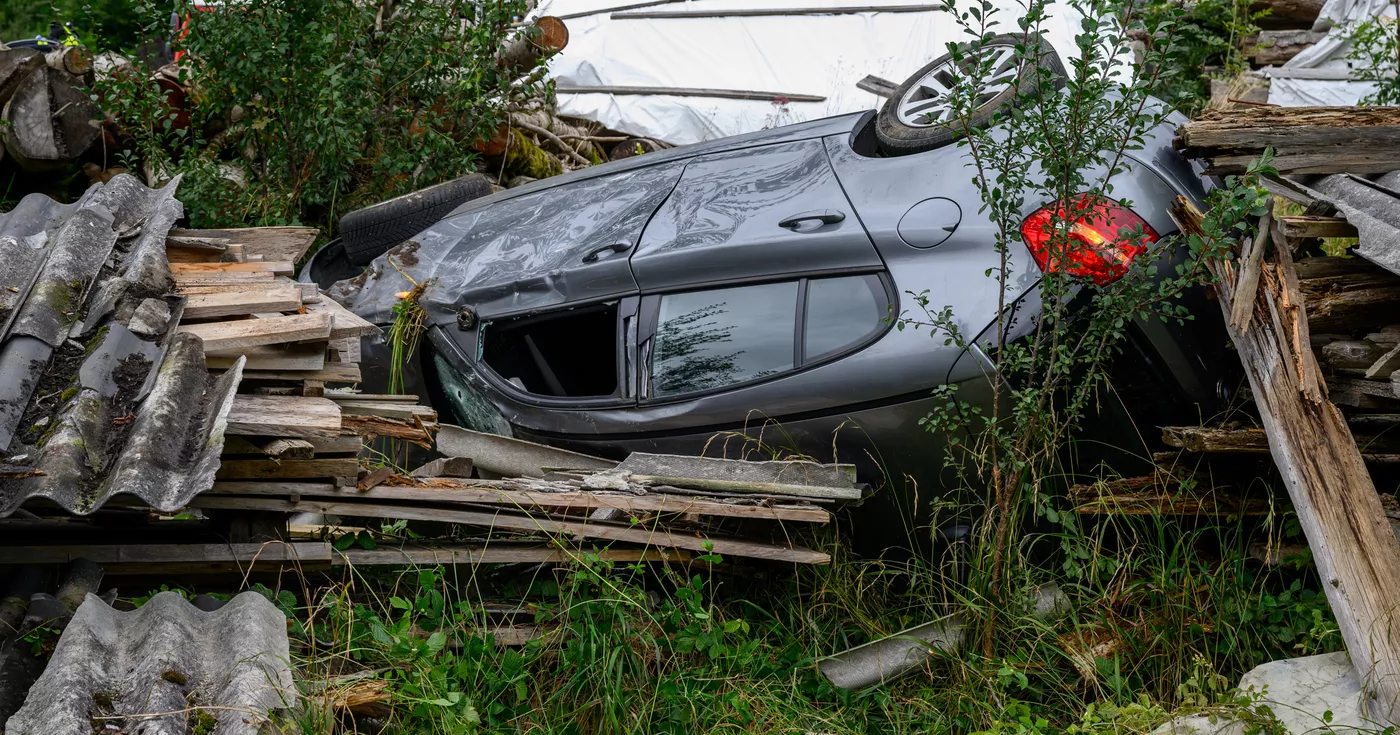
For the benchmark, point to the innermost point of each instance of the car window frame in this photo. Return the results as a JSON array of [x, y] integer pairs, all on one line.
[[627, 311], [650, 312]]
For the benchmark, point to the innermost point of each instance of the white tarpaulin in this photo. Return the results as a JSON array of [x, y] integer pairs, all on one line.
[[1339, 18], [804, 54]]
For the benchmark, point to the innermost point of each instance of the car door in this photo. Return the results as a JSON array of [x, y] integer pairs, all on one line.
[[539, 299], [751, 214]]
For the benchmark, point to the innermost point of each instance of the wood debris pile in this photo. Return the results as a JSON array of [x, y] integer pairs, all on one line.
[[1318, 336], [299, 439]]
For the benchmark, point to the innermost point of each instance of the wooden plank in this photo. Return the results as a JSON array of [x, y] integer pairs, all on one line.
[[445, 467], [380, 426], [500, 553], [291, 469], [177, 558], [240, 302], [1301, 226], [460, 490], [1333, 128], [309, 357], [512, 522], [295, 416], [333, 372], [346, 324], [348, 395], [1356, 552], [346, 350], [228, 277], [384, 409], [220, 336], [1202, 439], [283, 448], [279, 267], [273, 243]]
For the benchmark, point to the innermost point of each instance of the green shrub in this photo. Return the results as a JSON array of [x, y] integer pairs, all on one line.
[[305, 109]]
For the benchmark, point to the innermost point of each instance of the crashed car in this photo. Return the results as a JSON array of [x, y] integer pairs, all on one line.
[[742, 294]]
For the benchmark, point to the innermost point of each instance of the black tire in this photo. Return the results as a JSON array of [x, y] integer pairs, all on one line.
[[898, 138], [368, 232]]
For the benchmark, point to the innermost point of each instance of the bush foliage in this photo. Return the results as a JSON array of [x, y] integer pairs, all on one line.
[[302, 110]]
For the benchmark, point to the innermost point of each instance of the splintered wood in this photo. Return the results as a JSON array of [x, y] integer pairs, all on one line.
[[1353, 545], [1313, 140]]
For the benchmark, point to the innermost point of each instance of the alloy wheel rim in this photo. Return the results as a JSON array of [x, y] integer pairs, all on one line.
[[926, 103]]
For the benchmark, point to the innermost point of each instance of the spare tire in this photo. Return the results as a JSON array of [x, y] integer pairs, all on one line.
[[916, 117], [367, 233]]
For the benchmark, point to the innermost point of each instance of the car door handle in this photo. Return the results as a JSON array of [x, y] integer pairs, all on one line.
[[824, 216], [617, 247]]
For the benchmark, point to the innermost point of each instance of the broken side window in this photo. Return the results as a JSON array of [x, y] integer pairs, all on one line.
[[571, 353]]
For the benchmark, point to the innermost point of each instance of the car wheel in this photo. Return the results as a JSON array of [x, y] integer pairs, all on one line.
[[368, 232], [917, 117]]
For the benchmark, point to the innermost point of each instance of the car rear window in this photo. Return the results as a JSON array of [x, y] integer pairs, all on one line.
[[841, 313], [710, 339]]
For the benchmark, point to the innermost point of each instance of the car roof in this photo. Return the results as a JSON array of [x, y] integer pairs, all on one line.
[[835, 125]]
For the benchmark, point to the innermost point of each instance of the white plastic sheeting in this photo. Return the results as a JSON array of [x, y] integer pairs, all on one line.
[[1338, 18], [822, 55]]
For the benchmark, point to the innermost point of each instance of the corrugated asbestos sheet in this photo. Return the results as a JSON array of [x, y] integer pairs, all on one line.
[[98, 393], [1373, 206], [24, 608], [1369, 203], [166, 668]]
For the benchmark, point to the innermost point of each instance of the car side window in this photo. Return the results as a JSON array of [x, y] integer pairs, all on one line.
[[710, 339], [566, 354], [841, 313]]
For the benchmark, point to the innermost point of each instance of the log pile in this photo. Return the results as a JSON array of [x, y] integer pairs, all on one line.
[[49, 119]]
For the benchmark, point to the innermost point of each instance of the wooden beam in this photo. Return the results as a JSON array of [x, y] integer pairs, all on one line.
[[291, 469], [294, 416], [760, 12], [177, 558], [732, 94], [1301, 226], [220, 336], [384, 409], [273, 243], [241, 302], [305, 356], [282, 268], [488, 492], [499, 553], [1202, 439], [1357, 555], [332, 372], [345, 324], [512, 522]]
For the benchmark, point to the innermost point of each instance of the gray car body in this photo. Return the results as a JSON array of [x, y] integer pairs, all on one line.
[[707, 215]]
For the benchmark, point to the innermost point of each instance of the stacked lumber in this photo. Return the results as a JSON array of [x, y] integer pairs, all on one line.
[[695, 514], [1308, 395], [1305, 140], [286, 423]]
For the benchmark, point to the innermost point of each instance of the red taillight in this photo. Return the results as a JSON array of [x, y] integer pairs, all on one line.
[[1101, 243]]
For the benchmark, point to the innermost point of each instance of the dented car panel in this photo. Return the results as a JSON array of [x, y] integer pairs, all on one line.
[[740, 293]]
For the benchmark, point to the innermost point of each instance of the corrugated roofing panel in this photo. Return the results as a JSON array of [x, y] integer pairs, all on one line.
[[98, 394], [166, 668]]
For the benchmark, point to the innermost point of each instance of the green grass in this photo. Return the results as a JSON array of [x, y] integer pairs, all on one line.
[[1164, 617]]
